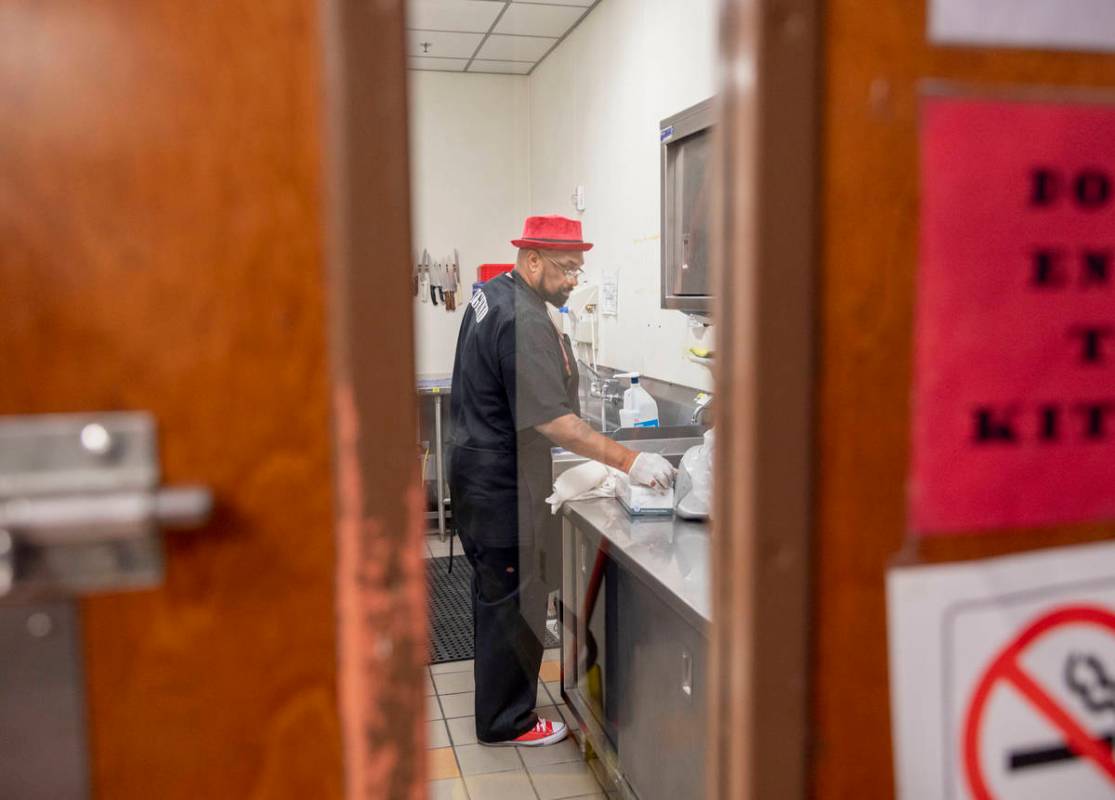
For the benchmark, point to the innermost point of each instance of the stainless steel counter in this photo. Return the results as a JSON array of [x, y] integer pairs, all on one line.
[[671, 554], [635, 632]]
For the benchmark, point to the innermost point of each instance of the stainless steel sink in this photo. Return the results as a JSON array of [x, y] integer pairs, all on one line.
[[669, 432], [670, 442]]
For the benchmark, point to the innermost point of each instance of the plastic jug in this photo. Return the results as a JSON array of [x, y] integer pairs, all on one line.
[[639, 408], [566, 322]]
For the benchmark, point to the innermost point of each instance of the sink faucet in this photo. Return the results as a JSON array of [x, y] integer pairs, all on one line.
[[704, 403], [607, 389]]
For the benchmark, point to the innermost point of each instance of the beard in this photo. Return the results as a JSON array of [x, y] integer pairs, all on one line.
[[557, 299]]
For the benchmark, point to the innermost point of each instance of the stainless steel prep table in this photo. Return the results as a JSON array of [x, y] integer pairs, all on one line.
[[438, 387], [648, 635]]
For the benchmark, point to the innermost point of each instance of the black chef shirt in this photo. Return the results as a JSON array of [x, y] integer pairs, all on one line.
[[513, 370]]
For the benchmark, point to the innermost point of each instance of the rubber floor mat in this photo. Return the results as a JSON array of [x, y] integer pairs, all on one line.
[[451, 610]]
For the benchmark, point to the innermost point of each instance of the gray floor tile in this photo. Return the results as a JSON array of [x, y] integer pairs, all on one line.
[[455, 682], [500, 786], [542, 697], [436, 734], [476, 759], [440, 549], [433, 708], [559, 781], [558, 753], [549, 712], [459, 705], [450, 789], [428, 683], [554, 688], [567, 715], [451, 666], [462, 730], [553, 654]]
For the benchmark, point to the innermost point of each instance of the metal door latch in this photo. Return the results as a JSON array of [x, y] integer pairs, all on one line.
[[81, 509]]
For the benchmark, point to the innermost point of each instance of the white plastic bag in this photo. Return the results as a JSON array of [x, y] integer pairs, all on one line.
[[693, 490]]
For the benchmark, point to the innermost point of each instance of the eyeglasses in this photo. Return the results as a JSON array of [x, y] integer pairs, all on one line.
[[568, 272]]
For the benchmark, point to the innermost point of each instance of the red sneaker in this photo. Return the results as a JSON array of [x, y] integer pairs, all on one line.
[[544, 732]]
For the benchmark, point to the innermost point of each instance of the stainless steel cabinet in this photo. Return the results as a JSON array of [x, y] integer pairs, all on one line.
[[686, 208], [633, 673], [663, 664]]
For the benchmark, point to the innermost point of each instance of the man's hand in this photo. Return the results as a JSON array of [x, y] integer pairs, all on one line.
[[651, 469]]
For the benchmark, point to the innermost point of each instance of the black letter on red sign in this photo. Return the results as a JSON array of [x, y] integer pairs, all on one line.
[[1094, 416], [1091, 341], [1050, 423], [1093, 188], [990, 429], [1096, 264], [1049, 269], [1044, 186]]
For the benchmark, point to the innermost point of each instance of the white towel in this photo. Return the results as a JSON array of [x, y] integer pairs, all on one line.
[[591, 479]]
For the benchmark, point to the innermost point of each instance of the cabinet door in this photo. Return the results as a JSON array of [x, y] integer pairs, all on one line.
[[691, 196], [662, 722]]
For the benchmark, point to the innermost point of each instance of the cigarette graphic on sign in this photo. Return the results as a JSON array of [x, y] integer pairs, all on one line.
[[1086, 676]]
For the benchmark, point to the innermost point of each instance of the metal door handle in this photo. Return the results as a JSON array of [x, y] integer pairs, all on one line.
[[81, 508], [104, 517]]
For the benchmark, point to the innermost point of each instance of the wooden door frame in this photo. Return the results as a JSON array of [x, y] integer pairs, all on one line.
[[381, 578], [763, 509], [767, 252]]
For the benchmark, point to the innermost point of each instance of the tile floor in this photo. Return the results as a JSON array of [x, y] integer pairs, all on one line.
[[461, 769], [435, 548]]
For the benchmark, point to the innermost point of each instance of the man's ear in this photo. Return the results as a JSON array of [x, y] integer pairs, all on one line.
[[534, 262]]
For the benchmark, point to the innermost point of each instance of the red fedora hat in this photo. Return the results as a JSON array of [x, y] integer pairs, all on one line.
[[552, 233]]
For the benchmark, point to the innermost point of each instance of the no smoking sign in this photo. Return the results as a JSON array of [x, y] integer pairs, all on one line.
[[1003, 677], [1008, 756]]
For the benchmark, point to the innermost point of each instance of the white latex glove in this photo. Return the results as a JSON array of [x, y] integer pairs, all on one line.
[[651, 469]]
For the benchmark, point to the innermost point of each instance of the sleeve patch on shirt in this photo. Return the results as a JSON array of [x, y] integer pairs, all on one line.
[[479, 305]]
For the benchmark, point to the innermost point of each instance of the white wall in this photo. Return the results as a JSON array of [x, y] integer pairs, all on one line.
[[470, 184], [596, 103], [487, 150]]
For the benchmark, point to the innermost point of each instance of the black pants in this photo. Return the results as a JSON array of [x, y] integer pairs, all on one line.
[[509, 616]]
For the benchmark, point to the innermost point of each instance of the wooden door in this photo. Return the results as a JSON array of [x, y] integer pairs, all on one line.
[[875, 56], [161, 248]]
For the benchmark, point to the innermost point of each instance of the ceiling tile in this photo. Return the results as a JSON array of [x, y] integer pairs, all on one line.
[[442, 45], [531, 20], [509, 67], [581, 3], [438, 64], [515, 48], [452, 15]]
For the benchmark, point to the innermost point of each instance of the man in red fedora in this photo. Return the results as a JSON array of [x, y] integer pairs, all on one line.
[[515, 395]]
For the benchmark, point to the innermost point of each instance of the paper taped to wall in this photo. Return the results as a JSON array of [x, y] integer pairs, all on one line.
[[609, 294], [1055, 24], [1001, 676]]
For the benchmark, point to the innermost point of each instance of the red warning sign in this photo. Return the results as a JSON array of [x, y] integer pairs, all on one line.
[[1014, 410], [1007, 670]]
